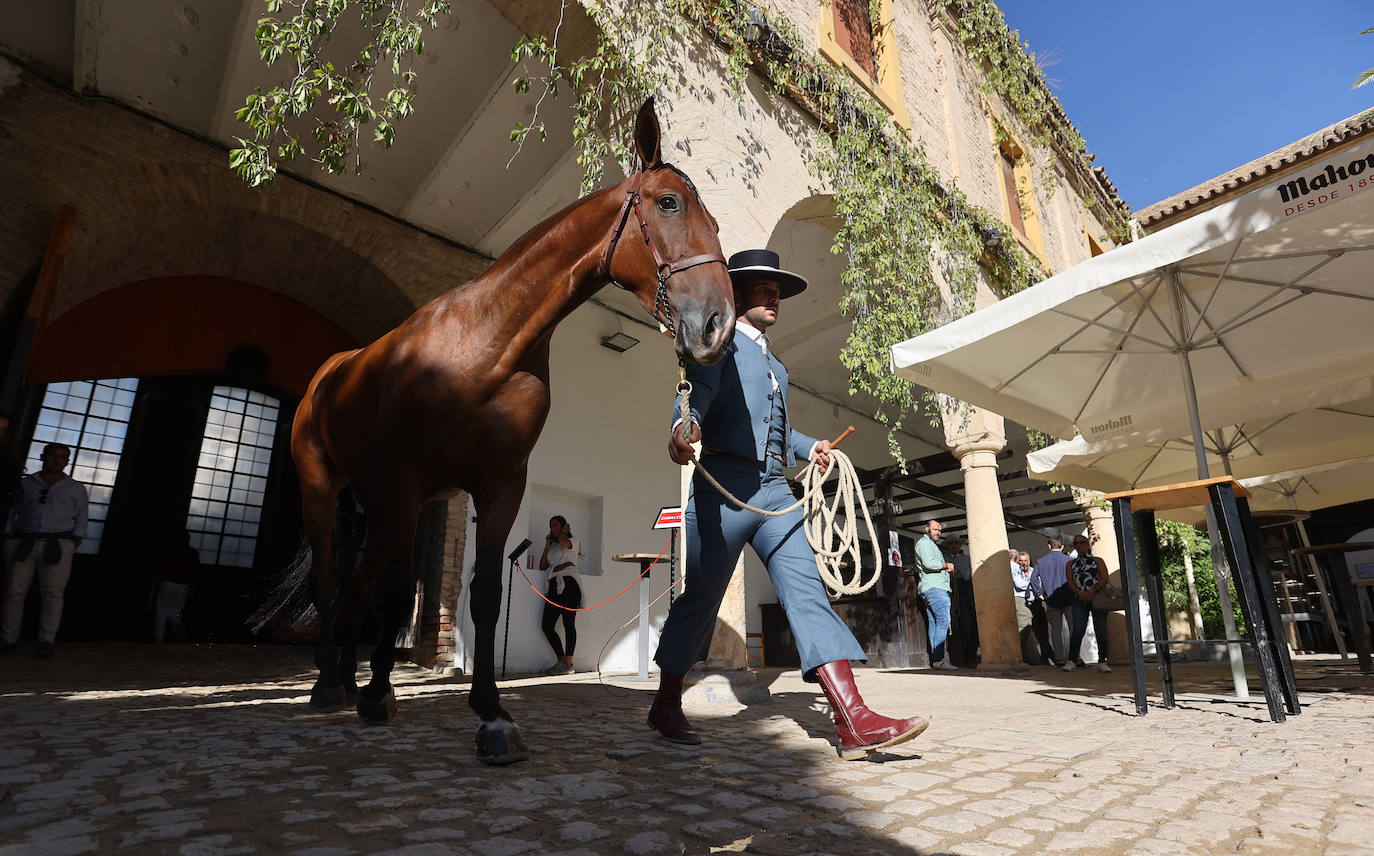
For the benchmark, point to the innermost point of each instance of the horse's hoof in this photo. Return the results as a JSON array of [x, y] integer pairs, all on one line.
[[376, 711], [351, 696], [327, 699], [500, 743]]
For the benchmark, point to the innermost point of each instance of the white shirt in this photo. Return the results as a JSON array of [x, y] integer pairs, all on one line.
[[558, 554], [60, 508], [759, 338]]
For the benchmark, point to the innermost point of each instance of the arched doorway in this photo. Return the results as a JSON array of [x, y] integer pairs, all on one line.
[[176, 395]]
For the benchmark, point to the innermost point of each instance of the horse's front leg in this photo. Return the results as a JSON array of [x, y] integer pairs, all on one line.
[[499, 740]]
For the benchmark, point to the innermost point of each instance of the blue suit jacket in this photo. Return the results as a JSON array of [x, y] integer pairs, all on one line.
[[732, 401]]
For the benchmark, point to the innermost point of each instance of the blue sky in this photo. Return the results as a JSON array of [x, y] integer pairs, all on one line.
[[1169, 94]]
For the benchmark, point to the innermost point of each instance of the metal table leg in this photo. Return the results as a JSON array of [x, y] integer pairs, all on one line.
[[1154, 588], [1130, 582], [1237, 548]]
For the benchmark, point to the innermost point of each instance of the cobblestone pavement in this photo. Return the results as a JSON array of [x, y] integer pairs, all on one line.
[[212, 750]]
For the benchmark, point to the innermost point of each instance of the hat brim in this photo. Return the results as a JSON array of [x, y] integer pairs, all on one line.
[[789, 284]]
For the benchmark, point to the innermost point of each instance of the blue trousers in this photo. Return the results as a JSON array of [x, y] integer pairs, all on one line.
[[716, 534], [937, 621]]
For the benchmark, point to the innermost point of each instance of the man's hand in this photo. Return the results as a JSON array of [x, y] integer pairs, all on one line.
[[822, 456], [680, 448]]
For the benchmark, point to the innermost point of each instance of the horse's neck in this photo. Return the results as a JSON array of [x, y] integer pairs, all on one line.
[[548, 272]]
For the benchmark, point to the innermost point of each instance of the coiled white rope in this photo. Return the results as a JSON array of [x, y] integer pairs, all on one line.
[[826, 523]]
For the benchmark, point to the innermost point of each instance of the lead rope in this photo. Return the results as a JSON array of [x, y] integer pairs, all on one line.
[[825, 522]]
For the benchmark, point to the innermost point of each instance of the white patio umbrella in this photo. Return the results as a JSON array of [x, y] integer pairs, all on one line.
[[1258, 307], [1313, 488], [1310, 441]]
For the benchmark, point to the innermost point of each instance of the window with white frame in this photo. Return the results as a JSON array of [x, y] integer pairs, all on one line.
[[231, 476], [92, 417]]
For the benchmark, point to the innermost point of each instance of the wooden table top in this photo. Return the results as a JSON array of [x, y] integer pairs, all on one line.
[[1170, 496], [634, 557]]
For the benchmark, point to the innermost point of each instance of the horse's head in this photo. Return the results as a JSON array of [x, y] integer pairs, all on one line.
[[672, 261]]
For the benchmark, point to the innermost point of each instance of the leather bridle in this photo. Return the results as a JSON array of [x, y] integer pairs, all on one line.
[[633, 200]]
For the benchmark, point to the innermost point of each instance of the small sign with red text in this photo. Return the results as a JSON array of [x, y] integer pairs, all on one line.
[[669, 518], [1338, 178]]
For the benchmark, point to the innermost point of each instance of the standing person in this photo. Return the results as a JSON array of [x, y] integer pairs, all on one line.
[[1087, 576], [45, 528], [934, 589], [739, 413], [1050, 580], [175, 576], [560, 560], [1030, 613], [963, 609]]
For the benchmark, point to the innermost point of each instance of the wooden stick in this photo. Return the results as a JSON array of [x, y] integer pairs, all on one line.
[[840, 439]]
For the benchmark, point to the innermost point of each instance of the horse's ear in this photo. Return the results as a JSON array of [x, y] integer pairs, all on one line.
[[647, 136]]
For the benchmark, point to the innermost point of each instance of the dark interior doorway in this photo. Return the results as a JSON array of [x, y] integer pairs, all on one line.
[[151, 502]]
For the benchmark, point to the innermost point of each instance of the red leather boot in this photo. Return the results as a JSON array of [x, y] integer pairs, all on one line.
[[860, 730], [666, 715]]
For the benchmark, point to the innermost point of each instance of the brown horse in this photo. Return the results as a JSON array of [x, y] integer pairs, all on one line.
[[455, 397]]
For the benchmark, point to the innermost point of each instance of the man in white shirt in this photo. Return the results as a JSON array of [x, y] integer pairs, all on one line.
[[44, 530]]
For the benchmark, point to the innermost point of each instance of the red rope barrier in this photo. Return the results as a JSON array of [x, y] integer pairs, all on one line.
[[602, 603]]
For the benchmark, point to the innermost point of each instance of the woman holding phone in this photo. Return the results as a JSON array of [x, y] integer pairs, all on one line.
[[560, 560]]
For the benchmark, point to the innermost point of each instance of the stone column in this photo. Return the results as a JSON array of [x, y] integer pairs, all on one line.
[[1102, 533], [976, 436]]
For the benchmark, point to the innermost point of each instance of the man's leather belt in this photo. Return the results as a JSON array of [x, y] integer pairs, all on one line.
[[774, 455]]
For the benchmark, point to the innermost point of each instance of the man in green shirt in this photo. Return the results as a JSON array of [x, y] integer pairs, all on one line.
[[934, 587]]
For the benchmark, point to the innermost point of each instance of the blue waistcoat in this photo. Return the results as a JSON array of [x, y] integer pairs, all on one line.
[[733, 402]]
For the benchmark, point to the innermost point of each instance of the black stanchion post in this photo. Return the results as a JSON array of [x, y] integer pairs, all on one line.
[[514, 557]]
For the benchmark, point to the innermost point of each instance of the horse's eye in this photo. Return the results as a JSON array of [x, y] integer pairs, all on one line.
[[667, 204]]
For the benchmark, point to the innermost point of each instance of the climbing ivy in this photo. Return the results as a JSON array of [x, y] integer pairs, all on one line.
[[395, 29]]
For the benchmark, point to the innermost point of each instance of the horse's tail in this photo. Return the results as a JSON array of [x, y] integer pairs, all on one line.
[[287, 612]]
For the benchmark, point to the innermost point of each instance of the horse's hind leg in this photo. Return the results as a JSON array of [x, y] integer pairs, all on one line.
[[349, 530], [318, 496], [393, 542], [499, 740]]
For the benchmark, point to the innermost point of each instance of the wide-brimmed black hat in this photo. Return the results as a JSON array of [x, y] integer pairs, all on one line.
[[747, 265]]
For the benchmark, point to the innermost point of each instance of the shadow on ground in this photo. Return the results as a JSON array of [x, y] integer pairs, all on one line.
[[132, 746]]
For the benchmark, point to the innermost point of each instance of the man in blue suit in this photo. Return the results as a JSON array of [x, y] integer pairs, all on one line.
[[739, 413]]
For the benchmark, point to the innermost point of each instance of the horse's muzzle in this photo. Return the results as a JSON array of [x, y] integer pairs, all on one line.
[[702, 337]]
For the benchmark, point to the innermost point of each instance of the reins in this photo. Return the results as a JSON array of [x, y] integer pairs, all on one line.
[[634, 200], [825, 523]]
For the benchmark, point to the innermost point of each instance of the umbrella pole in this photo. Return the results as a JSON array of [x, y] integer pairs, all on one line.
[[1228, 618]]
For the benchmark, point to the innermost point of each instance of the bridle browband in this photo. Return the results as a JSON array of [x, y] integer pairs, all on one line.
[[633, 200]]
